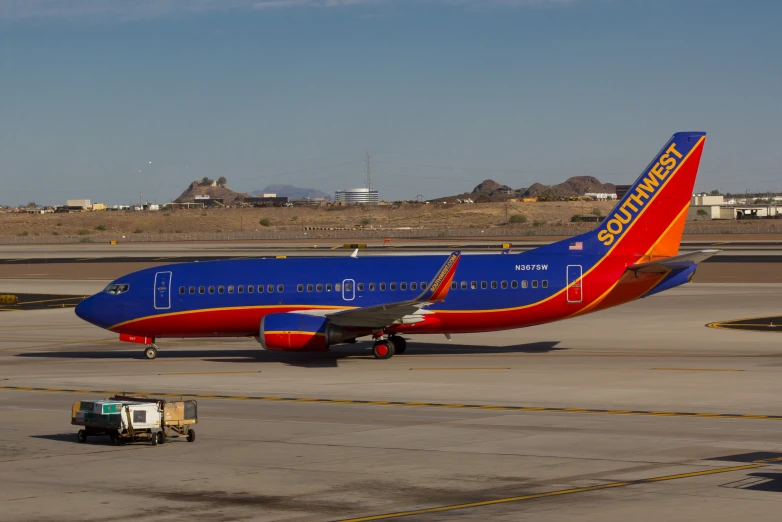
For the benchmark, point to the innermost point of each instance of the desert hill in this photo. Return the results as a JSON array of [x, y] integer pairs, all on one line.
[[575, 186], [213, 190]]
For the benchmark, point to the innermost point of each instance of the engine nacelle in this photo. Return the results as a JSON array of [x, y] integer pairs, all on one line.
[[298, 332]]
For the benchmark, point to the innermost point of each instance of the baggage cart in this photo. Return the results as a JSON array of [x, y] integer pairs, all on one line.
[[121, 421], [177, 416]]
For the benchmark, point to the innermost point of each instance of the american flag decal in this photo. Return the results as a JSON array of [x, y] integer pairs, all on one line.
[[576, 245]]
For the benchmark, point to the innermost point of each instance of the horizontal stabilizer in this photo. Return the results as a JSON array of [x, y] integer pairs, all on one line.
[[672, 263]]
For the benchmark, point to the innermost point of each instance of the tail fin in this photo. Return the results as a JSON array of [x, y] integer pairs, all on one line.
[[649, 220]]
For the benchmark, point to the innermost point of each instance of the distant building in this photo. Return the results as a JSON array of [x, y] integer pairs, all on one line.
[[600, 196], [356, 195], [78, 204], [268, 200]]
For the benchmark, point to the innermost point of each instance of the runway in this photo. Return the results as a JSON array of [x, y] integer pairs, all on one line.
[[640, 412]]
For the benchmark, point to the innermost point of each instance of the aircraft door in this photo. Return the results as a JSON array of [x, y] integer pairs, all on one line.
[[574, 290], [162, 290], [348, 289]]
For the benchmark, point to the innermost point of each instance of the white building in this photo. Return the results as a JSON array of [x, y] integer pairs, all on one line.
[[601, 196], [83, 203], [356, 195]]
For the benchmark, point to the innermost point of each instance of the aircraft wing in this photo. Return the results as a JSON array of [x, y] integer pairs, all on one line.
[[401, 312], [672, 263]]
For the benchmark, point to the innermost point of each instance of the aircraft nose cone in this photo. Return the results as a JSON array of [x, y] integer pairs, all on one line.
[[86, 310]]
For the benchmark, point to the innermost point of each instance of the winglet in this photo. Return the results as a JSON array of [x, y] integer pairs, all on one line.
[[439, 286]]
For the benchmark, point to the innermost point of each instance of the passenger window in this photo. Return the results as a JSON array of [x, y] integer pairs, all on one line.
[[328, 287], [535, 283], [310, 288], [230, 289], [200, 289], [494, 284], [504, 284], [211, 289], [423, 286], [220, 289], [484, 286], [348, 287], [382, 287], [260, 289], [319, 288], [392, 286], [473, 285], [524, 284], [413, 286], [181, 289], [280, 288], [192, 289], [403, 286], [360, 287], [371, 287], [453, 285], [544, 283], [514, 284], [338, 287], [299, 288], [240, 289], [464, 285], [270, 288], [250, 289]]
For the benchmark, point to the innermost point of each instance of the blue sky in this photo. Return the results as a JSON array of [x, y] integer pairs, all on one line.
[[443, 93]]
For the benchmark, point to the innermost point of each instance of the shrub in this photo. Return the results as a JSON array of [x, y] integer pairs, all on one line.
[[25, 233], [138, 231], [177, 231], [538, 223], [576, 219], [85, 240], [294, 218], [84, 232], [166, 214], [518, 218], [265, 222], [55, 233], [101, 228], [365, 221]]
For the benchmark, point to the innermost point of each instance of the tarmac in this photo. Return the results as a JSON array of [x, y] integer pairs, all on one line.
[[637, 413]]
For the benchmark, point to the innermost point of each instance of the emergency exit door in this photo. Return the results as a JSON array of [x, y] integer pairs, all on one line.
[[162, 290], [574, 290]]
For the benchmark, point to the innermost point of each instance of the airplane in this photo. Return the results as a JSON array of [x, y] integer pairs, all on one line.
[[310, 304]]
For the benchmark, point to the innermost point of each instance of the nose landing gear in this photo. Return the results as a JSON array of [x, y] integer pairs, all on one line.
[[150, 352]]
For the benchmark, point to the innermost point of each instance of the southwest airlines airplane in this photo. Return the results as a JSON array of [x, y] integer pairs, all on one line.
[[310, 304]]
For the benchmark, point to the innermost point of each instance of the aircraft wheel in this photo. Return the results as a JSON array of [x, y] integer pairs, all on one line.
[[150, 352], [400, 344], [383, 350]]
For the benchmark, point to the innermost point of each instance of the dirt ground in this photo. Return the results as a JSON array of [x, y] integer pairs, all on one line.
[[104, 223], [516, 219]]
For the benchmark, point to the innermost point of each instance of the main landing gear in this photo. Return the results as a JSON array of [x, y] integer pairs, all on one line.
[[150, 352], [385, 349]]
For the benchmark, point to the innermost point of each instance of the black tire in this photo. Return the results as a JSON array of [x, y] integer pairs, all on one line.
[[400, 344], [190, 435], [161, 437], [153, 439], [150, 352], [383, 350], [81, 436], [115, 439]]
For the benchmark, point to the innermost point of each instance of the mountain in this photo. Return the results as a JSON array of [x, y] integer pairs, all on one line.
[[490, 187], [291, 192], [197, 188], [575, 186]]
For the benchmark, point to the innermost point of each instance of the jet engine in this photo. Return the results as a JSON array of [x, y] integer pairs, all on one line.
[[298, 332]]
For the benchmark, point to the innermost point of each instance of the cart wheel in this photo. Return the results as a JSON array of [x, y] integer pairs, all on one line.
[[81, 436], [153, 439], [161, 437], [190, 435]]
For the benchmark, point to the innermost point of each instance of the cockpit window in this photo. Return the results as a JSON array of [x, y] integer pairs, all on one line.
[[115, 289]]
